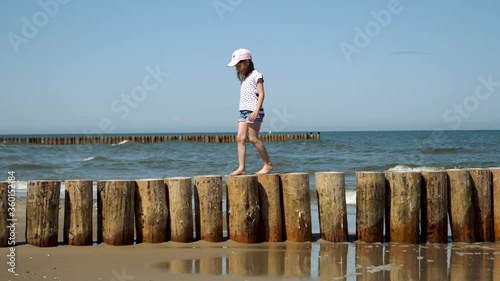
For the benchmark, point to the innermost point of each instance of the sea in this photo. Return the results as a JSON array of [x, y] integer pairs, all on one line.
[[347, 152]]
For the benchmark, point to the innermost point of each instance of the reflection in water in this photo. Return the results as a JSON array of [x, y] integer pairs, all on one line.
[[350, 261], [179, 266], [370, 261], [434, 262], [332, 260], [404, 258], [209, 266], [247, 263], [472, 262], [275, 260], [297, 260]]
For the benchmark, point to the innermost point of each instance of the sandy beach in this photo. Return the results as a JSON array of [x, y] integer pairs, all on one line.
[[228, 260]]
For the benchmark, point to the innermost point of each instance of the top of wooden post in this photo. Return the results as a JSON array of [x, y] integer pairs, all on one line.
[[295, 173], [433, 171]]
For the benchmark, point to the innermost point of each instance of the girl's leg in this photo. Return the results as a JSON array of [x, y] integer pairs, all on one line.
[[240, 139], [253, 137]]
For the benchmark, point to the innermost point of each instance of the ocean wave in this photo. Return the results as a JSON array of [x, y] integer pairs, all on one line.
[[350, 197], [406, 168], [376, 168], [399, 168], [98, 158], [28, 166], [442, 150], [21, 188], [121, 143]]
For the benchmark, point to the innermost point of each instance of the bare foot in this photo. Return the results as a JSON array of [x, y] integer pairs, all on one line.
[[238, 172], [266, 169]]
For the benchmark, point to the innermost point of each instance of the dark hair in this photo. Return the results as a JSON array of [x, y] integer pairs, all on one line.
[[248, 71]]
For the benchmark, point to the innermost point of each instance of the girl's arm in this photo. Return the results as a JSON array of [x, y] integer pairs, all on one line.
[[260, 101]]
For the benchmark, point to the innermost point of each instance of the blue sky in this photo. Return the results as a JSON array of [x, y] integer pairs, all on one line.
[[73, 66]]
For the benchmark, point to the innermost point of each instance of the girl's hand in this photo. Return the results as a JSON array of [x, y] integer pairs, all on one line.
[[253, 116]]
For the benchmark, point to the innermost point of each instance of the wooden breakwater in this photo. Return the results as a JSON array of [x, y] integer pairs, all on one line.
[[394, 206], [114, 139]]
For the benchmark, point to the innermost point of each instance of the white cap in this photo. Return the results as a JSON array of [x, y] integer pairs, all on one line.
[[239, 55]]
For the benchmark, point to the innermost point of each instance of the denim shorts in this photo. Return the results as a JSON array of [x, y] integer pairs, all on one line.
[[244, 114]]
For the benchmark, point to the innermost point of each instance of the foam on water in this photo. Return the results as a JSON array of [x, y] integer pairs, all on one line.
[[347, 152], [120, 143], [405, 168], [21, 188]]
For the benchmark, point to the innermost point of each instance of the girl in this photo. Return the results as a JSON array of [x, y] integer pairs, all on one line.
[[251, 110]]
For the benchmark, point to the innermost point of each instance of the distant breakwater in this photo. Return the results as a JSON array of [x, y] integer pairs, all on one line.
[[103, 139]]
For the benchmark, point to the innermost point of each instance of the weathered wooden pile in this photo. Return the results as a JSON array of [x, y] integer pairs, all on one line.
[[109, 139], [394, 206]]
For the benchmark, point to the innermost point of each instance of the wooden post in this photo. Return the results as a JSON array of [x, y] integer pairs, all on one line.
[[403, 206], [370, 205], [180, 198], [434, 207], [270, 208], [78, 212], [462, 218], [297, 207], [482, 197], [115, 212], [151, 211], [42, 213], [330, 187], [4, 215], [495, 185], [243, 208], [208, 200]]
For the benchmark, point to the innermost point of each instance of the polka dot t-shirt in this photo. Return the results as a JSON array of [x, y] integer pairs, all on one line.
[[249, 95]]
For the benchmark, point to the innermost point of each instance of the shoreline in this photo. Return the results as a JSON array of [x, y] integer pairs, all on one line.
[[229, 260]]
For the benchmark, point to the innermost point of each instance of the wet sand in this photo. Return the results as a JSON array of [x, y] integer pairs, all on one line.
[[319, 260]]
